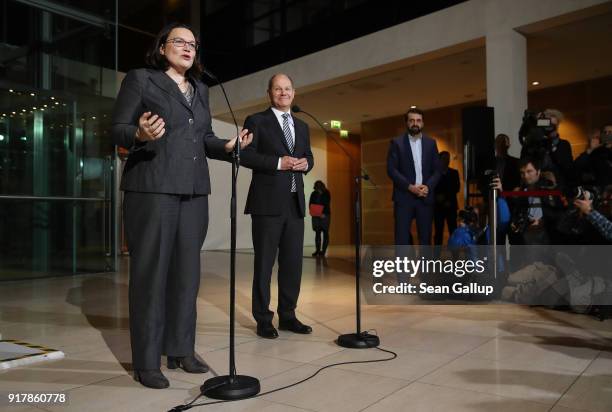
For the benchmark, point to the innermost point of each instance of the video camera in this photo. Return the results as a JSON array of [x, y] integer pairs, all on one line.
[[534, 132]]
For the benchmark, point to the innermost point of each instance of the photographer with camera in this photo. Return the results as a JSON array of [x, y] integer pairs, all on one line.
[[540, 138], [594, 166], [534, 218], [597, 218]]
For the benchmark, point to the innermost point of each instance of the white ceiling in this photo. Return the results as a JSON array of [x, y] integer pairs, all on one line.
[[564, 54]]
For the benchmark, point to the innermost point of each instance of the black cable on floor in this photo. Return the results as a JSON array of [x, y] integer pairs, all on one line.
[[191, 404]]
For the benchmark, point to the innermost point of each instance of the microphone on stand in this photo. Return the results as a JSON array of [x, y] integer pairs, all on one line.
[[364, 174], [359, 339], [236, 151], [231, 386]]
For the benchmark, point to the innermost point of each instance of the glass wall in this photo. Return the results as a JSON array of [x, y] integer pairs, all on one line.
[[58, 81]]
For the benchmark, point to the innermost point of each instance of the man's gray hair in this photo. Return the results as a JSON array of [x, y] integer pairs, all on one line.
[[554, 113]]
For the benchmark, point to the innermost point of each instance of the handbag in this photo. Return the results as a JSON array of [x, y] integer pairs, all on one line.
[[316, 210]]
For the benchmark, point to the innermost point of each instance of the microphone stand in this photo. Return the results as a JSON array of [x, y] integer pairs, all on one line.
[[359, 339], [231, 386]]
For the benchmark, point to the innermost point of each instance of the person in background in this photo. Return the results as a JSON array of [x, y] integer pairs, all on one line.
[[413, 166], [320, 213], [445, 207], [507, 166]]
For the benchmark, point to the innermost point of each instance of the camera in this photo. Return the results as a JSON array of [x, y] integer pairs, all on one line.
[[520, 222], [468, 215], [582, 193], [534, 132], [571, 223]]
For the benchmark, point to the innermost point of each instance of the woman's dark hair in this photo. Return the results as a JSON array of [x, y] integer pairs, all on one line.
[[320, 186], [158, 61]]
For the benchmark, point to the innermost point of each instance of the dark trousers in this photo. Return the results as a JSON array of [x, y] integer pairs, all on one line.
[[283, 234], [442, 215], [321, 227], [318, 235], [404, 214], [165, 234]]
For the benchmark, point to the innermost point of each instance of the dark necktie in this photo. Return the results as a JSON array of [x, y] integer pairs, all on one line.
[[290, 144]]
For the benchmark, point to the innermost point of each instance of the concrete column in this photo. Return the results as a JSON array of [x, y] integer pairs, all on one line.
[[507, 82]]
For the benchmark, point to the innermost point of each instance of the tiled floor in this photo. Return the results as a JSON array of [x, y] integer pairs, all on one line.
[[451, 358]]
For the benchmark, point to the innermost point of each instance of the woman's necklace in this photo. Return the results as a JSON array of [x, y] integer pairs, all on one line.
[[182, 84]]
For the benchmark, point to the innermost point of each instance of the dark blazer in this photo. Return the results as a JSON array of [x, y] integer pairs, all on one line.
[[510, 173], [324, 199], [268, 184], [400, 168], [175, 163], [447, 188]]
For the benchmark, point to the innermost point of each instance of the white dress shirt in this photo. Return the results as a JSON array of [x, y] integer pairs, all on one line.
[[279, 117], [417, 155]]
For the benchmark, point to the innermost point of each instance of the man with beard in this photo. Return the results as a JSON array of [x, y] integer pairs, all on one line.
[[413, 166]]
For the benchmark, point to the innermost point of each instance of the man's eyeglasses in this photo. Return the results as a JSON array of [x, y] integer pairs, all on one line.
[[178, 42]]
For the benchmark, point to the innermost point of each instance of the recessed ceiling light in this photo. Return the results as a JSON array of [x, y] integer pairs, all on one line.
[[536, 83], [413, 107], [32, 94]]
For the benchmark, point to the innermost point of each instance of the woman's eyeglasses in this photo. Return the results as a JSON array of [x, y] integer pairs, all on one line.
[[178, 42]]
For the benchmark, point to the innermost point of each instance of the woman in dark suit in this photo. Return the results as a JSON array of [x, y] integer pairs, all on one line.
[[320, 224], [162, 116]]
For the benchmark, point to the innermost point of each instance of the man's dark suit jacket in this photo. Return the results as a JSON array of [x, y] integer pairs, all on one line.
[[510, 173], [269, 186], [447, 188], [176, 162], [400, 168]]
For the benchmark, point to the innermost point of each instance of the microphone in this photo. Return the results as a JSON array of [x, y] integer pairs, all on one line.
[[237, 144], [364, 175]]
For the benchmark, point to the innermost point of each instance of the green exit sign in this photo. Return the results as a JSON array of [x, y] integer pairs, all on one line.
[[336, 124], [344, 134]]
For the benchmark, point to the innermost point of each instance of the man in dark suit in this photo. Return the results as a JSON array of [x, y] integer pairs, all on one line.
[[506, 165], [412, 164], [279, 156], [445, 208]]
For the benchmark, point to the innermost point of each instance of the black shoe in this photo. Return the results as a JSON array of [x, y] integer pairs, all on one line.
[[151, 378], [295, 326], [189, 364], [267, 330], [317, 253]]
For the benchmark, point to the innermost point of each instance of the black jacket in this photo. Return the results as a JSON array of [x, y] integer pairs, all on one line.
[[324, 199], [269, 185], [447, 189], [176, 163]]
